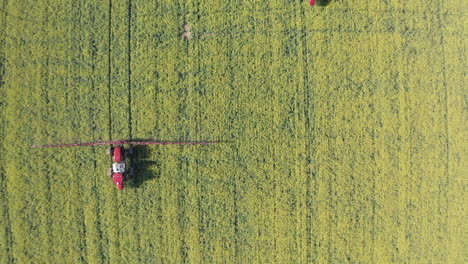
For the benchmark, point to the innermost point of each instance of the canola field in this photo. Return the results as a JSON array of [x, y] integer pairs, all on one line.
[[341, 129]]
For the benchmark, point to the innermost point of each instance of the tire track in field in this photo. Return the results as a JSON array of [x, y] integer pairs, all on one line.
[[309, 118], [272, 149], [45, 76], [197, 171], [117, 213], [455, 121], [129, 64], [82, 224], [95, 188], [194, 166], [120, 20], [109, 70], [183, 162], [101, 207], [373, 170], [128, 204], [4, 194], [447, 167], [48, 181], [402, 164], [234, 148]]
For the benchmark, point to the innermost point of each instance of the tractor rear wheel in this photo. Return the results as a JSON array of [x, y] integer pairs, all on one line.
[[129, 175], [109, 172]]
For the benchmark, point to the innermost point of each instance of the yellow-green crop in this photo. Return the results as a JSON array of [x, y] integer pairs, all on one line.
[[342, 131]]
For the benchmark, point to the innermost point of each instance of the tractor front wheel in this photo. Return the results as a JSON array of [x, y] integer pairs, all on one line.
[[109, 151], [131, 150]]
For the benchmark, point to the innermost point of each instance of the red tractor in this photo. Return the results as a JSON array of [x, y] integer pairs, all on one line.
[[120, 170]]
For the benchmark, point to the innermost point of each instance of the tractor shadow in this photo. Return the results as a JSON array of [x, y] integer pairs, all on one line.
[[323, 2], [144, 168]]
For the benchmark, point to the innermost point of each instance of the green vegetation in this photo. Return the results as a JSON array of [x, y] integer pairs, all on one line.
[[343, 131]]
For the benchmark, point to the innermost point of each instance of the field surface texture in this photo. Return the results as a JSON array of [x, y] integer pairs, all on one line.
[[342, 131]]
